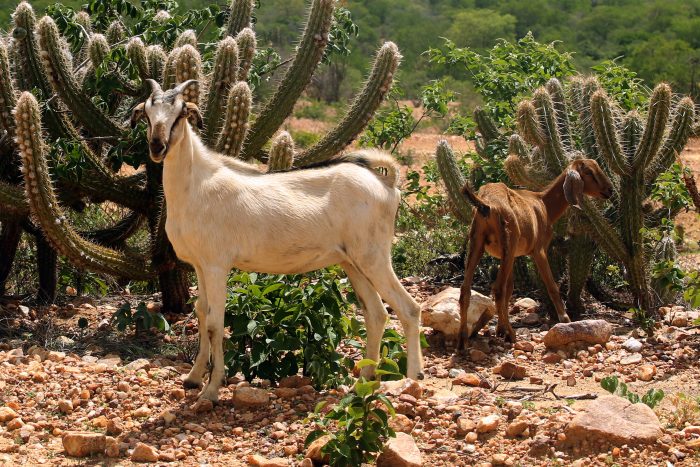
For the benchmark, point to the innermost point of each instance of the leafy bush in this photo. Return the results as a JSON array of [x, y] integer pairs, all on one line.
[[304, 139], [141, 319], [361, 420], [614, 386], [280, 324]]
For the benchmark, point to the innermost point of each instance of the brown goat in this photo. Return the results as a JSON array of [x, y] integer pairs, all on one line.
[[510, 223]]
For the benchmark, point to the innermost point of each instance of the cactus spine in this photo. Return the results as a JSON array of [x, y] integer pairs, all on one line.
[[281, 153]]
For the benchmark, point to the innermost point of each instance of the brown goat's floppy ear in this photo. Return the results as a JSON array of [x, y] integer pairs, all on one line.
[[194, 115], [137, 114], [573, 188]]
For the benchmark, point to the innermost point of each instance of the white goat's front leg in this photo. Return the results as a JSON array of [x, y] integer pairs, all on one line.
[[374, 312], [216, 297], [381, 275], [199, 368]]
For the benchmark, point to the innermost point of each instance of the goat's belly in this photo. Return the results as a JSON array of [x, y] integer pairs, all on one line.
[[291, 262]]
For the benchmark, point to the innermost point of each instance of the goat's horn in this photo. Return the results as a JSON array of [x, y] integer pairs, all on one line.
[[181, 87], [155, 87]]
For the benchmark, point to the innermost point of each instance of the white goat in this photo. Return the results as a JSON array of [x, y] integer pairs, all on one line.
[[223, 213]]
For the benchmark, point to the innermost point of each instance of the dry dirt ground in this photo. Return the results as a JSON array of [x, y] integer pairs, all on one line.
[[97, 380]]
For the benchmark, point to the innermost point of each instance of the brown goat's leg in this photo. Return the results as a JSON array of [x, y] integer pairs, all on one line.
[[501, 294], [542, 263], [476, 250]]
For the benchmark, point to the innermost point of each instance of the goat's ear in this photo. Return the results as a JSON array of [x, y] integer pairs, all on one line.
[[573, 188], [137, 114], [194, 115]]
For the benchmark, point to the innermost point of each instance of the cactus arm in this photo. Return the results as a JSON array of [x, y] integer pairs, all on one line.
[[604, 234], [118, 233], [236, 121], [241, 15], [606, 134], [517, 146], [64, 83], [362, 108], [553, 150], [681, 129], [12, 201], [169, 69], [83, 19], [309, 53], [281, 153], [156, 57], [136, 51], [98, 48], [7, 92], [520, 174], [653, 136], [556, 91], [188, 65], [487, 126], [222, 78], [45, 207], [454, 181], [581, 91], [115, 33], [527, 124], [246, 51], [187, 37], [632, 129]]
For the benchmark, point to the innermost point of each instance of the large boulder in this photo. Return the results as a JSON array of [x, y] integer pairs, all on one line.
[[615, 421], [589, 331], [441, 312], [401, 451]]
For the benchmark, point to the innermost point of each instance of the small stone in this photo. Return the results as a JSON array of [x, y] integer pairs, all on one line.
[[141, 412], [111, 447], [631, 359], [83, 444], [501, 459], [144, 453], [65, 341], [260, 461], [7, 414], [14, 424], [114, 427], [510, 370], [400, 451], [590, 331], [525, 305], [551, 357], [203, 406], [679, 319], [177, 393], [516, 428], [404, 386], [467, 379], [465, 425], [488, 423], [632, 345], [314, 453], [531, 319], [286, 393], [167, 416], [294, 381], [441, 311], [402, 423], [250, 397], [525, 346], [454, 372], [477, 356], [646, 372]]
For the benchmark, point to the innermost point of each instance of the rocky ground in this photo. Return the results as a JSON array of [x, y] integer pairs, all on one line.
[[84, 395]]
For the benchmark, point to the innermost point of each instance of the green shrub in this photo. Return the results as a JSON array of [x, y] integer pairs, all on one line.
[[614, 386], [280, 324], [304, 139], [141, 319]]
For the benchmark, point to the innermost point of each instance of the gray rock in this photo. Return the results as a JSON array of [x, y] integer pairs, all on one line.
[[632, 345]]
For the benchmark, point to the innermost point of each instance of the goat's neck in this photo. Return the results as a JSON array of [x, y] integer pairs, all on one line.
[[554, 199], [183, 166]]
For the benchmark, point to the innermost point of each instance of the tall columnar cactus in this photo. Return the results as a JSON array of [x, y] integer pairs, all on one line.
[[634, 153], [41, 60]]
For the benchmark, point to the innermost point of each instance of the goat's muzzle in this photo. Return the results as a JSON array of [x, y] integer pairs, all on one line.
[[157, 150]]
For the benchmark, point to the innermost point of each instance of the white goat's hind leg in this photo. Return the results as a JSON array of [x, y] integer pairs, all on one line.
[[216, 296], [199, 368], [374, 312], [382, 276]]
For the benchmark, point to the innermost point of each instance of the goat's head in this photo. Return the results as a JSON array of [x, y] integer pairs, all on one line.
[[584, 176], [167, 114]]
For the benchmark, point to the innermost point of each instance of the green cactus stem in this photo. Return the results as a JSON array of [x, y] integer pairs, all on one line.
[[156, 58], [236, 122], [308, 54], [222, 78], [187, 37], [454, 181], [169, 69], [521, 175], [136, 51], [188, 65], [115, 33], [558, 95], [7, 92], [83, 19], [553, 150], [65, 84], [487, 126], [246, 51], [606, 135], [240, 16], [98, 49], [653, 136], [281, 153], [45, 207], [362, 108]]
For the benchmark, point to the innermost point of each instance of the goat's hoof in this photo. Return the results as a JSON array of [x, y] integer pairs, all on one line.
[[420, 376], [187, 384]]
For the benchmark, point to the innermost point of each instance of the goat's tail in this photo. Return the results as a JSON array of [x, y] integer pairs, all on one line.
[[481, 207], [380, 162]]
